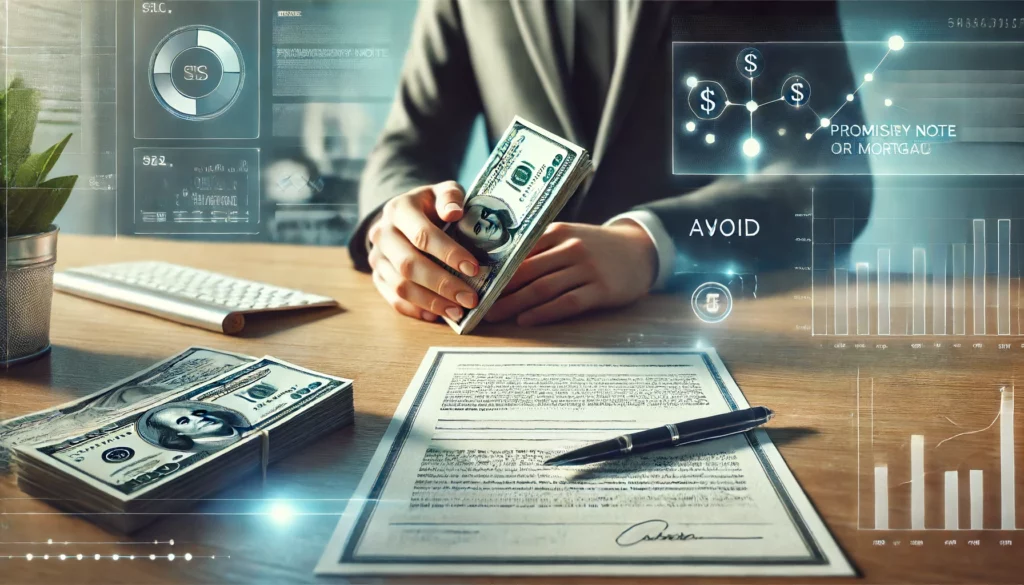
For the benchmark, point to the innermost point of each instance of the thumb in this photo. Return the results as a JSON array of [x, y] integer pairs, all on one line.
[[448, 197]]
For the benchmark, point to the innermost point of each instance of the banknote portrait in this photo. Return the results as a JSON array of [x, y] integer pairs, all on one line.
[[192, 426], [487, 229]]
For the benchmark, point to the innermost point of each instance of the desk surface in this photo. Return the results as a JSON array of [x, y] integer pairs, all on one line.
[[813, 385]]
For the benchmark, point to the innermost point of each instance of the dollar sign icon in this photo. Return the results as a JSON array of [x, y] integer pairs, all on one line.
[[796, 91], [707, 99], [709, 105], [798, 96], [749, 62]]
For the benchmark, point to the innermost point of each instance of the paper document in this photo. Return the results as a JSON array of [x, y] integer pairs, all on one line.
[[458, 485]]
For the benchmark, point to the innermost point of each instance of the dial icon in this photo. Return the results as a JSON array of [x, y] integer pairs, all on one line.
[[197, 72]]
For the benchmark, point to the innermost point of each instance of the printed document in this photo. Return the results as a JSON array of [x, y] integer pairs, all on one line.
[[458, 485]]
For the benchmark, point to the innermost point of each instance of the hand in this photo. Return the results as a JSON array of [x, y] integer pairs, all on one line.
[[410, 281], [575, 268]]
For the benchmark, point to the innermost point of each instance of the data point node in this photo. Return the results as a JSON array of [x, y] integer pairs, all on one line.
[[896, 43], [825, 122], [709, 138], [751, 106], [691, 126], [751, 147]]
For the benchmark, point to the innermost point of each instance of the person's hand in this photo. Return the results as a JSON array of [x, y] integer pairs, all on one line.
[[576, 268], [410, 281]]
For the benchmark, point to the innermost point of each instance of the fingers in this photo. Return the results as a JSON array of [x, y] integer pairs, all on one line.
[[401, 305], [538, 292], [408, 218], [448, 197], [403, 293], [570, 304], [410, 264], [560, 256], [553, 235]]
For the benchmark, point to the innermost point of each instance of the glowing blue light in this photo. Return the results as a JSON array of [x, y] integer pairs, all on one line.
[[281, 513], [751, 147]]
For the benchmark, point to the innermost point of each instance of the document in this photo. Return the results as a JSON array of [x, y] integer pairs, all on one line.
[[458, 485]]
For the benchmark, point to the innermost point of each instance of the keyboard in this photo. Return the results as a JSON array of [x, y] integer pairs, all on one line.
[[187, 295]]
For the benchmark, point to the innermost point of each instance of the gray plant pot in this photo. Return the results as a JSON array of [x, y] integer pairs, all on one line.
[[26, 292]]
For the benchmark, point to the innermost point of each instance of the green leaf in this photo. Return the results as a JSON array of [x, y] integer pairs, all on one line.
[[20, 205], [33, 171], [33, 209], [19, 111]]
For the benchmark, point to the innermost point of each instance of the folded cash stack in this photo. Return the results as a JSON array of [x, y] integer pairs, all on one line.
[[528, 178], [140, 449]]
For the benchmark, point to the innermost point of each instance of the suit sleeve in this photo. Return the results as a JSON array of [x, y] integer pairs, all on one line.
[[773, 198], [424, 139]]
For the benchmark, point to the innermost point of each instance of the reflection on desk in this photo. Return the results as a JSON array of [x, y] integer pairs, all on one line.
[[274, 533]]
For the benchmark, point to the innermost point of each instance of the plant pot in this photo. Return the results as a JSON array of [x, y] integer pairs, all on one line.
[[26, 292]]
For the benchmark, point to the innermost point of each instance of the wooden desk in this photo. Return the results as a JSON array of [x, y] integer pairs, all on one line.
[[812, 384]]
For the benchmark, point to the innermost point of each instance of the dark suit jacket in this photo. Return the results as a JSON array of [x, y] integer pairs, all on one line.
[[503, 58]]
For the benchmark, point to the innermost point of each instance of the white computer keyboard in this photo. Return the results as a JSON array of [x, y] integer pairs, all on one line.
[[187, 295]]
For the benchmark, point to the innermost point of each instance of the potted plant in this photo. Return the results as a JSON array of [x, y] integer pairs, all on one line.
[[29, 202]]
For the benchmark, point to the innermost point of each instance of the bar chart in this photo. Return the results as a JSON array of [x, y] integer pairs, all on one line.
[[939, 274], [950, 471]]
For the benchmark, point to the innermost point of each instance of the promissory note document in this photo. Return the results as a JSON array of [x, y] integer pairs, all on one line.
[[458, 485]]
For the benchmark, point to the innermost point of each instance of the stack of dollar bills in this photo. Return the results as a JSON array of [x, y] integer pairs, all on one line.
[[527, 180], [154, 443]]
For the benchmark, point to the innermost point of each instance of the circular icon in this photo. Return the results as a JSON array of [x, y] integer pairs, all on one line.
[[749, 62], [197, 72], [118, 454], [796, 91], [711, 302], [707, 100]]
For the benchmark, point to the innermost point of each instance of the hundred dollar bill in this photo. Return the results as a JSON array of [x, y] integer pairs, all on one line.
[[189, 431], [525, 183], [190, 367]]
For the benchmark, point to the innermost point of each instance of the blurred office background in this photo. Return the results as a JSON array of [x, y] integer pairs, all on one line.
[[316, 130], [313, 141]]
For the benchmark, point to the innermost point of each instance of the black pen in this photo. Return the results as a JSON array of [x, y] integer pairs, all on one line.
[[670, 435]]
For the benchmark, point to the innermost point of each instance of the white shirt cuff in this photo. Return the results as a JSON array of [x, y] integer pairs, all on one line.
[[663, 244]]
